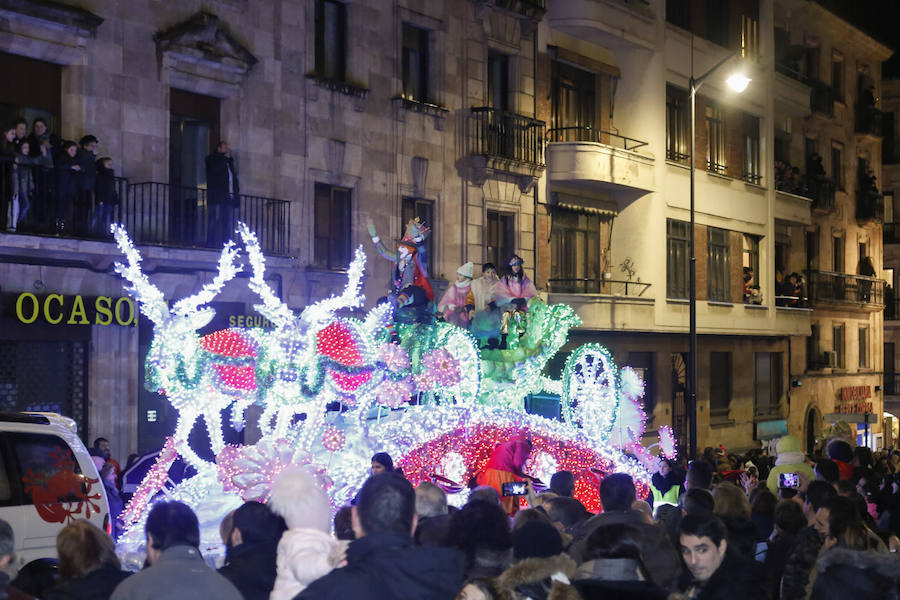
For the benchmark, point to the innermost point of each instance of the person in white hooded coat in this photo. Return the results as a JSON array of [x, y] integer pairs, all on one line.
[[307, 550]]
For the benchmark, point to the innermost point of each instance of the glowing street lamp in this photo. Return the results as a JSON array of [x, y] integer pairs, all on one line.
[[738, 82]]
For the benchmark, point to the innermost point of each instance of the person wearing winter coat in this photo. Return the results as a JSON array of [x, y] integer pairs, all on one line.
[[541, 571], [88, 566], [383, 563], [790, 459], [251, 550], [715, 571], [223, 194], [730, 504], [177, 570], [617, 494], [106, 196], [67, 172], [453, 304], [841, 453], [307, 551], [666, 484], [845, 573], [615, 568]]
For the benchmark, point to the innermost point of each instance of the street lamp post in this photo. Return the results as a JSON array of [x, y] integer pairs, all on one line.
[[738, 83]]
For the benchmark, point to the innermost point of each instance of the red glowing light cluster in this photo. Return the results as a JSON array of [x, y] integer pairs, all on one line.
[[230, 343], [476, 443], [339, 343], [237, 377]]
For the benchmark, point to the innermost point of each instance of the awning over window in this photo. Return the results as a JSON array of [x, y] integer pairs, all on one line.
[[590, 205]]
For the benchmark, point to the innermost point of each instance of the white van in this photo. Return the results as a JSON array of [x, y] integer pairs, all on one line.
[[47, 480]]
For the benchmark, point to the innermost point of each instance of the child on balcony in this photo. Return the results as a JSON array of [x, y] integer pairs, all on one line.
[[23, 186]]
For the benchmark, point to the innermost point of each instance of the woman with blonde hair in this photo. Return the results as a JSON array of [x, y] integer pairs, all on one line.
[[88, 566], [730, 504]]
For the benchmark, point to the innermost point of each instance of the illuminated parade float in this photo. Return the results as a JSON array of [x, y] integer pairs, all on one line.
[[336, 385]]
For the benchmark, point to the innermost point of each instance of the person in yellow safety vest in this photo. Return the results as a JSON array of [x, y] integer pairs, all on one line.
[[666, 483]]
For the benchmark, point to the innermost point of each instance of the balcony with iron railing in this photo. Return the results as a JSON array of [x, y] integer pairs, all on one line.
[[501, 141], [821, 99], [855, 291], [869, 121], [869, 205], [600, 160], [504, 135], [610, 287], [531, 9], [153, 213], [605, 303]]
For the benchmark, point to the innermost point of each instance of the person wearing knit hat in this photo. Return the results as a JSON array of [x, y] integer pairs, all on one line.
[[306, 551], [453, 304], [840, 452], [790, 459]]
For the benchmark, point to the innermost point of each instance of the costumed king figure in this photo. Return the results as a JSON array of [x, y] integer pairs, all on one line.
[[453, 304], [512, 294], [411, 294], [485, 316]]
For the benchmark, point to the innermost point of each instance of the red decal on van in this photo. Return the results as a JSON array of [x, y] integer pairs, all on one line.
[[62, 495]]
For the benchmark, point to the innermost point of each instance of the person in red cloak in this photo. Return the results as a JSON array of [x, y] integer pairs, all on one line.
[[505, 465]]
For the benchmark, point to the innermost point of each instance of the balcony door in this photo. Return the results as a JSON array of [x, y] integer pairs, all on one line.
[[500, 239], [574, 103], [193, 134], [498, 81]]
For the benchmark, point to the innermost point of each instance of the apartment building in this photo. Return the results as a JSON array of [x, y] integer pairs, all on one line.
[[556, 130], [774, 356], [890, 104]]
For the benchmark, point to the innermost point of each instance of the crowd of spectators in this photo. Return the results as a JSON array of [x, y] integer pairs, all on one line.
[[724, 526], [56, 186], [51, 185]]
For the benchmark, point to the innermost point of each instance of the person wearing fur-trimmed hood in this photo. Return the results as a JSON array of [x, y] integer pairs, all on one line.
[[307, 551]]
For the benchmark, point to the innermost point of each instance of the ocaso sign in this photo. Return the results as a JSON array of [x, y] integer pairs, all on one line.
[[60, 309]]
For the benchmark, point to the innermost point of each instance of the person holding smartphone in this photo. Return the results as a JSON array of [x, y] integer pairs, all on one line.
[[506, 467], [790, 460]]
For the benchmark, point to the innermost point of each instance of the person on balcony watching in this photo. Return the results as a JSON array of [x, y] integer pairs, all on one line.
[[67, 171], [41, 138], [21, 132], [86, 180], [223, 194], [106, 195]]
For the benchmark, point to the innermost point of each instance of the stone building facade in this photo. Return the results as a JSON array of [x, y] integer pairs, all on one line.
[[555, 130]]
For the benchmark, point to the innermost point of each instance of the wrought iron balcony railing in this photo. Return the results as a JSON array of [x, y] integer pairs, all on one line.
[[869, 120], [841, 288], [584, 285], [499, 134], [821, 98], [153, 213], [590, 134], [869, 205]]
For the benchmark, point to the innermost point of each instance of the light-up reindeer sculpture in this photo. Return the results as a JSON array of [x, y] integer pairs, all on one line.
[[294, 358], [175, 355]]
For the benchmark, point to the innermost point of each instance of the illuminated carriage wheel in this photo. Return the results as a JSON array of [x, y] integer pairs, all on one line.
[[590, 394]]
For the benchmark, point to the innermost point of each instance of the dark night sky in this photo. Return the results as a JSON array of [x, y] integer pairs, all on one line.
[[879, 18]]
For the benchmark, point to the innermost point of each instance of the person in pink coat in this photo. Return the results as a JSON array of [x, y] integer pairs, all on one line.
[[453, 304], [511, 296]]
